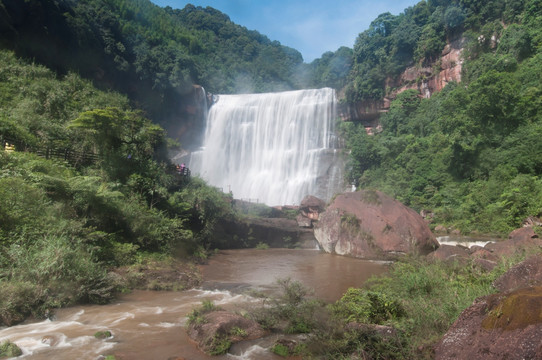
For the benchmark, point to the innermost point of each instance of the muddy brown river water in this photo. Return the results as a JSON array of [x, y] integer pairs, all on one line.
[[151, 324]]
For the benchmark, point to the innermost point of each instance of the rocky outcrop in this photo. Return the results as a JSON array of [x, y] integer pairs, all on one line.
[[502, 326], [526, 274], [427, 80], [522, 240], [250, 231], [369, 224], [309, 211], [219, 329], [366, 111], [450, 253], [507, 325]]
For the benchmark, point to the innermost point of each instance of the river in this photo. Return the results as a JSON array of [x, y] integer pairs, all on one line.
[[151, 324]]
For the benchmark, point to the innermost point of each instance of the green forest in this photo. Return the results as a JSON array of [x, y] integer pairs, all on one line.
[[89, 105], [471, 153]]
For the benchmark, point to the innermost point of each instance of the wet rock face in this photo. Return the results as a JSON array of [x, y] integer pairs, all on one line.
[[371, 225]]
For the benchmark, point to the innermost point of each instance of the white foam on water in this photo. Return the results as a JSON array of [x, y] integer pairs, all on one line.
[[462, 241], [157, 310], [252, 353], [123, 316], [167, 325]]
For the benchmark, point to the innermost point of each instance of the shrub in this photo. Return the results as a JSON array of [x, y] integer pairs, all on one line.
[[219, 345], [280, 350], [292, 309], [364, 306], [9, 349], [196, 316], [103, 334]]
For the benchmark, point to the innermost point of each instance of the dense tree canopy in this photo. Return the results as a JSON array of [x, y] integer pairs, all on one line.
[[469, 153], [152, 54]]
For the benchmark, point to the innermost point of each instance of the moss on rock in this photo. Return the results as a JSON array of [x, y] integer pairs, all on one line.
[[515, 310]]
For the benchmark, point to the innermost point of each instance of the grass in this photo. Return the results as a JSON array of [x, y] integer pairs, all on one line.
[[418, 299], [196, 316]]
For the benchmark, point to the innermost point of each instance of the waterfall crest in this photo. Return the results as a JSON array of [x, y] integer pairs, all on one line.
[[273, 148]]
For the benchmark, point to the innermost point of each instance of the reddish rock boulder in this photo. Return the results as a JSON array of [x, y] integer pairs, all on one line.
[[311, 206], [501, 326], [309, 211], [525, 274], [221, 327], [522, 239], [450, 253], [371, 225]]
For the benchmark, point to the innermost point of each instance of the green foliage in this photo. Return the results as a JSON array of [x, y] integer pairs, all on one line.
[[280, 350], [196, 316], [331, 69], [103, 334], [154, 54], [219, 345], [9, 349], [64, 224], [432, 294], [238, 332], [363, 306], [418, 298], [292, 310], [262, 246], [469, 153]]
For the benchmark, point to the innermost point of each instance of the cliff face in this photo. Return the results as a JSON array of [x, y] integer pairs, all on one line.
[[426, 80]]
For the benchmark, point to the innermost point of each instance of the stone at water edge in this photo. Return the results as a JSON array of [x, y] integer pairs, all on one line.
[[226, 326], [311, 207], [309, 211], [371, 225]]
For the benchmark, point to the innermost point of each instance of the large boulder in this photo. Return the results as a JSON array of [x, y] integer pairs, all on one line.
[[450, 253], [525, 274], [500, 326], [522, 239], [371, 225], [507, 325]]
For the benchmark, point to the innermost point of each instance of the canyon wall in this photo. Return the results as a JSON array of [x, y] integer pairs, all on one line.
[[426, 80]]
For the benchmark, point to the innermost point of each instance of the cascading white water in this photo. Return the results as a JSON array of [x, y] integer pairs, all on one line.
[[273, 148]]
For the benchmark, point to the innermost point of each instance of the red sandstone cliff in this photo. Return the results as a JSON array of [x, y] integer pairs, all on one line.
[[426, 80]]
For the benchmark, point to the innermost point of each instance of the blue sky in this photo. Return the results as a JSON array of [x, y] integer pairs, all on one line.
[[310, 26]]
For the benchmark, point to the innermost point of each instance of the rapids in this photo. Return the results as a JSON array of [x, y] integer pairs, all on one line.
[[151, 324]]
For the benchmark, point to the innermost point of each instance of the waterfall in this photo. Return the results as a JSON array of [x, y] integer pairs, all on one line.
[[272, 148]]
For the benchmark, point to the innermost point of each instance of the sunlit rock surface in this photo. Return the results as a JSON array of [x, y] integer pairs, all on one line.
[[371, 225]]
